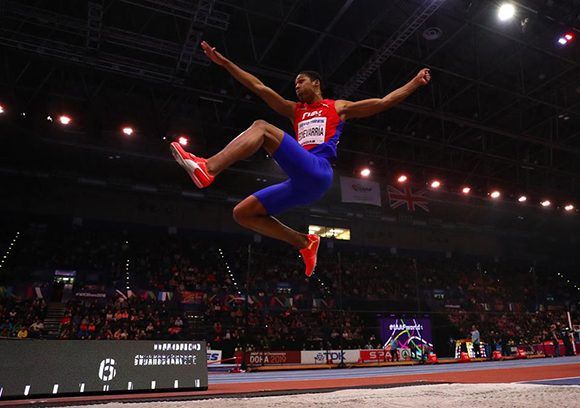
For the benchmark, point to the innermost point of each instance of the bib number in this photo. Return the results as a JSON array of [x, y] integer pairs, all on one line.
[[312, 131]]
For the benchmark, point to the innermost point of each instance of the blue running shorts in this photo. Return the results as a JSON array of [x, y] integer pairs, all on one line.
[[310, 177]]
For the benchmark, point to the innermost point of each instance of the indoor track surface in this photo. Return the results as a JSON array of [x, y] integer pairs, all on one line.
[[530, 383]]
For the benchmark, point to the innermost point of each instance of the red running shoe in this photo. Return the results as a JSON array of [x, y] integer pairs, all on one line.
[[309, 253], [193, 165]]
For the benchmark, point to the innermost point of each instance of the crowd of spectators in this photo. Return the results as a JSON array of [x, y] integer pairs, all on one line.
[[183, 287], [127, 318], [22, 318]]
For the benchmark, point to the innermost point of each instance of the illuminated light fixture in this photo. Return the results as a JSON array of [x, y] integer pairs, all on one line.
[[64, 120], [506, 12], [522, 199], [435, 184], [365, 172], [402, 178], [569, 207], [566, 38], [183, 140], [2, 109], [546, 203], [466, 190], [128, 130], [495, 194]]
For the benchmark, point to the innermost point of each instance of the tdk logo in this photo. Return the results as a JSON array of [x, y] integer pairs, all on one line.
[[311, 114], [329, 355]]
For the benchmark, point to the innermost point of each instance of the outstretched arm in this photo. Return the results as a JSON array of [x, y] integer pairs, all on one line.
[[272, 98], [370, 107]]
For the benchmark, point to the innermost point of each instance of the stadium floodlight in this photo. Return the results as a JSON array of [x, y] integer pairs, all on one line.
[[568, 207], [435, 184], [466, 190], [495, 194], [64, 120], [183, 140], [566, 38], [128, 130], [522, 199], [365, 172], [2, 109], [506, 12], [546, 203], [402, 178]]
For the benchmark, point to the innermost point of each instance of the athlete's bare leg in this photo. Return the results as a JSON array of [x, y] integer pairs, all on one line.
[[251, 214], [260, 134]]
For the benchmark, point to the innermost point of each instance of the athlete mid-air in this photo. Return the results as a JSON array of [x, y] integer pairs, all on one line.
[[306, 158]]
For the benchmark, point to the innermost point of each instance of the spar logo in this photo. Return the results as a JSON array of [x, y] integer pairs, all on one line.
[[377, 355], [324, 356]]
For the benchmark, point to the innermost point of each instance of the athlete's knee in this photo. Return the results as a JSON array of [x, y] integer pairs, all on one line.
[[237, 213], [262, 124], [241, 214]]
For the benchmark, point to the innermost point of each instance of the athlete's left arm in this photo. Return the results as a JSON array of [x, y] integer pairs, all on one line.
[[369, 107]]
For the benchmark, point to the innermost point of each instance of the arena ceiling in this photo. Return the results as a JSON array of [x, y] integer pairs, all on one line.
[[503, 108]]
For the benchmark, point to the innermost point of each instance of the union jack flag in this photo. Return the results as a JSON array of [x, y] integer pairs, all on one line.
[[407, 197]]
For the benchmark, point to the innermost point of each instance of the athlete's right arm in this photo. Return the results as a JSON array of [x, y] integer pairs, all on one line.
[[272, 98]]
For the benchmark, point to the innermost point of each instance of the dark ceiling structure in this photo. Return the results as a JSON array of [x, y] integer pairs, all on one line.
[[503, 108]]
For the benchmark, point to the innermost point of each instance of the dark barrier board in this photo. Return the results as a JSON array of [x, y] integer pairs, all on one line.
[[68, 367]]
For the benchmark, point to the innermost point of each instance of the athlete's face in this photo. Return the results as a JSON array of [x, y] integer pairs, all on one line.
[[306, 88]]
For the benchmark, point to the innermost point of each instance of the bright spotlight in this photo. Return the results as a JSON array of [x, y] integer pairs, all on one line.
[[569, 207], [2, 109], [402, 178], [128, 130], [546, 203], [495, 194], [522, 199], [365, 172], [64, 120], [466, 190], [506, 12], [183, 140], [566, 38], [435, 184]]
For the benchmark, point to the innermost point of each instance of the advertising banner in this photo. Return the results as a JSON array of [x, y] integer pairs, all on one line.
[[57, 367], [360, 191], [213, 356], [273, 357], [373, 356], [329, 356]]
